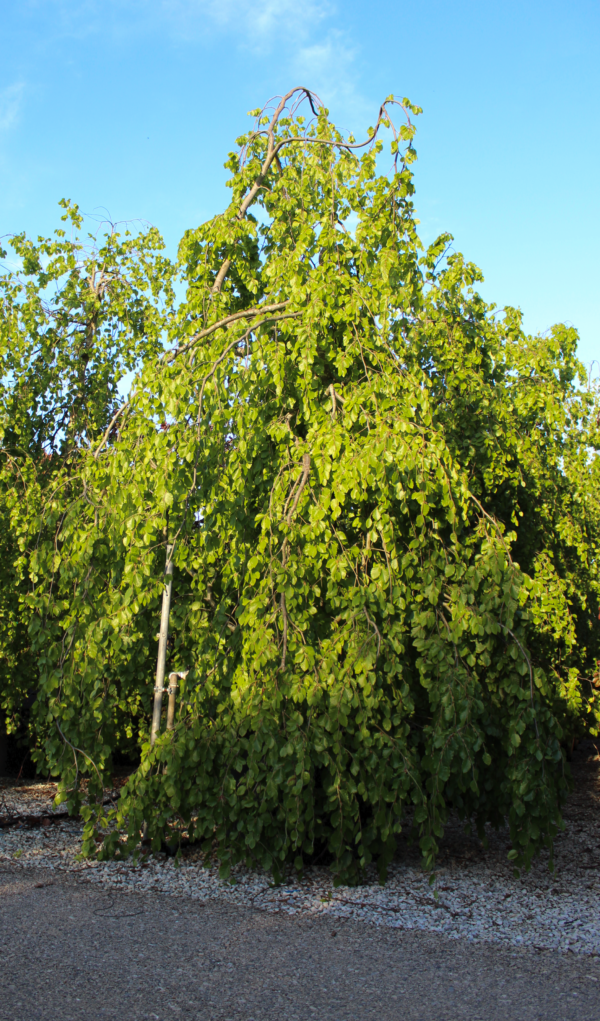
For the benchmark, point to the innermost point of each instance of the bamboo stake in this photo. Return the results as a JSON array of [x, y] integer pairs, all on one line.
[[161, 662]]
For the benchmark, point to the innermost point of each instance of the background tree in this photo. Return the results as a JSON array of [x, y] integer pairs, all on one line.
[[383, 503], [76, 317]]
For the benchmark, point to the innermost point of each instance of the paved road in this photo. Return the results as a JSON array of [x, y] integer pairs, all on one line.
[[72, 952]]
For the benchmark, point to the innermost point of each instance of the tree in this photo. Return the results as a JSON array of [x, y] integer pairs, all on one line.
[[75, 318], [382, 499]]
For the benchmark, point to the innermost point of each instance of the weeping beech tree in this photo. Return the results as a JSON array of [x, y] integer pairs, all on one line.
[[382, 500]]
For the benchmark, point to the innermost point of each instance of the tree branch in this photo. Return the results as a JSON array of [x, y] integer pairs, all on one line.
[[234, 343], [260, 310], [273, 154], [303, 480], [171, 355], [111, 424], [284, 549]]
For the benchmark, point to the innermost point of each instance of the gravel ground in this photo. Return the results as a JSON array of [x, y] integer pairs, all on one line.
[[478, 897]]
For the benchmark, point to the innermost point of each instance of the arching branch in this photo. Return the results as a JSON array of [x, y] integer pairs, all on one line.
[[234, 343], [171, 355], [247, 313], [111, 424], [274, 149]]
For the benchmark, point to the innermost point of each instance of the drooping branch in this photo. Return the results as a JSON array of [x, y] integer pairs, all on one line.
[[171, 355], [111, 424], [284, 549], [247, 313], [274, 149], [303, 481], [234, 343]]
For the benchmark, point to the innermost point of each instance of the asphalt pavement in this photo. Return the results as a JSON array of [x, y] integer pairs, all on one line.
[[70, 951]]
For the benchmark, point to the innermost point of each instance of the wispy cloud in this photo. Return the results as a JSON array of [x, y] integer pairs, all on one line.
[[251, 22], [256, 24], [329, 66], [11, 99], [305, 39], [301, 35]]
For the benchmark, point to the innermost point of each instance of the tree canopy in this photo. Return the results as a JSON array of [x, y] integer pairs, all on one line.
[[381, 498]]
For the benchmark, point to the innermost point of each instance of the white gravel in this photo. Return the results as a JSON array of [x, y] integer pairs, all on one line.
[[478, 897]]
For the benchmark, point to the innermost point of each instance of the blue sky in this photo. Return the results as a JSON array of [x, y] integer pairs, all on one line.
[[130, 106]]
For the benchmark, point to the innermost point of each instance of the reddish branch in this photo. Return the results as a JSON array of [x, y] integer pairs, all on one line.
[[273, 150]]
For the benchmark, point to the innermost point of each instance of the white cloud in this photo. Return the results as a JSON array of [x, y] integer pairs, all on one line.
[[252, 22], [299, 33], [300, 38], [329, 68], [327, 64], [10, 105], [258, 23]]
